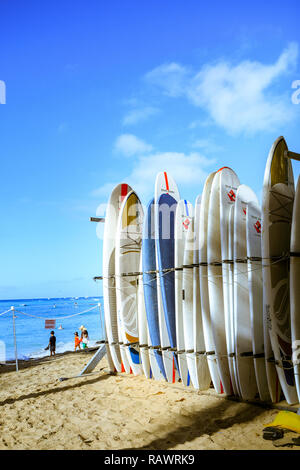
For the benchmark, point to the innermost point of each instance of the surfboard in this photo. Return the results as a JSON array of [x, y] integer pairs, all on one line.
[[278, 198], [202, 370], [231, 291], [165, 257], [155, 370], [204, 295], [142, 325], [229, 185], [182, 222], [164, 185], [294, 291], [243, 334], [150, 291], [223, 190], [253, 228], [109, 288], [187, 300], [128, 250]]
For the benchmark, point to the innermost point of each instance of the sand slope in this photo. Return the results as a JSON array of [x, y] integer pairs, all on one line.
[[118, 412]]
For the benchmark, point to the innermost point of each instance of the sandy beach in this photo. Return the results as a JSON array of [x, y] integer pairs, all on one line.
[[111, 412]]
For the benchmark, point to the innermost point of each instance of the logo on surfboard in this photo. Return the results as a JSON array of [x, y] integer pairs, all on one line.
[[186, 223], [231, 195], [257, 226]]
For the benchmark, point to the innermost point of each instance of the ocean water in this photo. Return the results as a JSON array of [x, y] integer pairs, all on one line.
[[33, 337]]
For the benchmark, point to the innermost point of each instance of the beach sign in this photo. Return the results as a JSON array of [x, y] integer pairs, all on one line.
[[50, 324]]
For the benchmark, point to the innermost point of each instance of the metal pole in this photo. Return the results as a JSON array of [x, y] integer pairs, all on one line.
[[15, 338], [292, 155], [103, 332]]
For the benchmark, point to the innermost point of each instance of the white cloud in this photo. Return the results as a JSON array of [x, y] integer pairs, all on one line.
[[129, 145], [236, 98], [188, 170], [103, 191], [171, 78], [239, 98], [137, 115]]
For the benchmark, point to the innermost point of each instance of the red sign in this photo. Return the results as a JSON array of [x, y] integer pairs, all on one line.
[[186, 224], [50, 324], [231, 195], [257, 227]]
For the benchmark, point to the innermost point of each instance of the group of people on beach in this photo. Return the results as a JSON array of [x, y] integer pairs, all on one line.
[[82, 340]]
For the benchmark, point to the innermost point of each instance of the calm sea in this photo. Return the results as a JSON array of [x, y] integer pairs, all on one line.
[[33, 337]]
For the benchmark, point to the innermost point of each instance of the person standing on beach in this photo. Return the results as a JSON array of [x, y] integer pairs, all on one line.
[[84, 331], [84, 336], [77, 341], [52, 343], [85, 339]]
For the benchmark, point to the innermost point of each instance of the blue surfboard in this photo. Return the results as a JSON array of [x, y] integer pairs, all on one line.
[[165, 244], [150, 285]]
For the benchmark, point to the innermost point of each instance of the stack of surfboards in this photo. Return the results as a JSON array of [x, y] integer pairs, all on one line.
[[207, 294]]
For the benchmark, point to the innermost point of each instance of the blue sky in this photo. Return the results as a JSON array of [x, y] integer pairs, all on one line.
[[103, 92]]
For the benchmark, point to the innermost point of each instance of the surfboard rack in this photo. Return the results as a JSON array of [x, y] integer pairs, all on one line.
[[93, 362], [97, 219], [292, 155]]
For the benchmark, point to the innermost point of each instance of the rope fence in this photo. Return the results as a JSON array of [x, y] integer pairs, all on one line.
[[13, 310], [57, 318]]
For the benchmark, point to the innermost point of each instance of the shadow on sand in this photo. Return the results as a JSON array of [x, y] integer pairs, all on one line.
[[82, 383], [203, 423]]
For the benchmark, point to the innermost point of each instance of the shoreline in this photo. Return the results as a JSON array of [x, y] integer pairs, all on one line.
[[10, 366]]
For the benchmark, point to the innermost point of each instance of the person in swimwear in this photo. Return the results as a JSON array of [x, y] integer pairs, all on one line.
[[77, 341]]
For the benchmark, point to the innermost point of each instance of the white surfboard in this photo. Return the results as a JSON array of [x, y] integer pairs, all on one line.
[[278, 198], [215, 282], [182, 221], [243, 333], [206, 317], [142, 326], [155, 370], [229, 183], [187, 301], [231, 291], [200, 359], [164, 184], [109, 288], [294, 287], [253, 227], [128, 250]]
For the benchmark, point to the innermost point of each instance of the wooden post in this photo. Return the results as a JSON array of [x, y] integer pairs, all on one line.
[[15, 339]]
